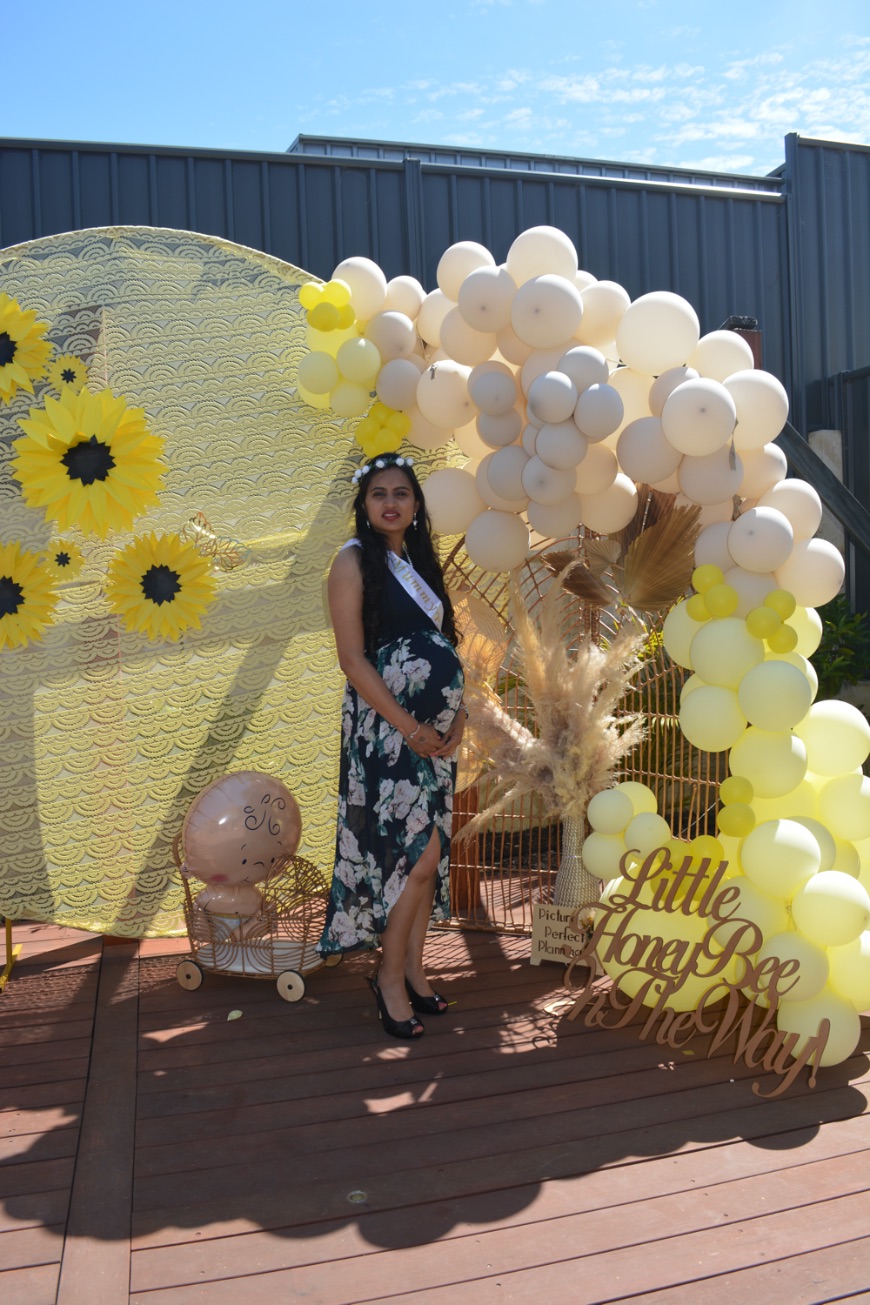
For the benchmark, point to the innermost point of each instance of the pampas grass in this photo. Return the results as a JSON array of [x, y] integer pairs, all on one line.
[[581, 732]]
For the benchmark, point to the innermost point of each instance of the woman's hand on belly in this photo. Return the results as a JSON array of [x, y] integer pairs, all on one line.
[[452, 739]]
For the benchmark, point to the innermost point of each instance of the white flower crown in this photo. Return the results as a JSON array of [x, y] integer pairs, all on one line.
[[379, 465]]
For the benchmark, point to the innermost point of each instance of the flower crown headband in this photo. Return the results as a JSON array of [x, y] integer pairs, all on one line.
[[379, 465]]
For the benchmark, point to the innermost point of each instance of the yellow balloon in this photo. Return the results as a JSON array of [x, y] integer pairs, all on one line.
[[381, 411], [779, 856], [367, 428], [641, 796], [323, 317], [782, 602], [400, 424], [697, 608], [310, 294], [706, 576], [721, 600], [783, 640], [386, 441], [736, 820], [359, 361], [318, 372], [346, 317], [837, 736], [313, 400], [337, 292], [804, 1018], [735, 789], [348, 399], [762, 622], [832, 909]]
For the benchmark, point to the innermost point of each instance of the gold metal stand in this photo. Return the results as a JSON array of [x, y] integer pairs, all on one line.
[[11, 955]]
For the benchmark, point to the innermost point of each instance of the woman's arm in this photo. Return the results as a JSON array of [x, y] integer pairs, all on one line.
[[345, 593]]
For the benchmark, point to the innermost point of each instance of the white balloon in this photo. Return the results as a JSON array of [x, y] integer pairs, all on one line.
[[658, 331], [710, 512], [497, 541], [442, 395], [368, 285], [393, 334], [603, 306], [493, 388], [597, 471], [599, 412], [555, 520], [452, 500], [463, 343], [505, 473], [500, 431], [711, 478], [670, 484], [540, 251], [762, 407], [612, 510], [485, 298], [489, 495], [547, 485], [561, 445], [546, 311], [698, 417], [633, 388], [664, 384], [761, 540], [799, 502], [423, 434], [459, 261], [751, 587], [552, 397], [433, 310], [404, 295], [585, 366], [644, 453], [814, 572], [538, 363], [396, 385], [720, 354], [511, 347], [762, 469]]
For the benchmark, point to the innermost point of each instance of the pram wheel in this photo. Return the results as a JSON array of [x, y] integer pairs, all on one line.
[[189, 975], [291, 985]]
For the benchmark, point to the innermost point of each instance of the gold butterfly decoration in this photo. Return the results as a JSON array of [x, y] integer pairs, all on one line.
[[227, 554]]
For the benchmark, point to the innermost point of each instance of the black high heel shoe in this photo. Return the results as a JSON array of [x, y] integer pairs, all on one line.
[[412, 1028], [434, 1005]]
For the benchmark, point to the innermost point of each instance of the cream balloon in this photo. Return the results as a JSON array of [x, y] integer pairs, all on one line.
[[462, 343], [561, 446], [552, 398], [658, 331], [442, 395], [633, 388], [555, 520], [762, 407], [452, 500], [498, 432], [646, 831], [546, 310], [670, 484], [433, 310], [611, 510], [423, 434], [644, 453], [497, 541], [598, 470], [540, 251], [751, 587], [599, 412], [538, 363], [761, 540], [468, 440], [665, 384], [459, 261], [773, 762], [505, 472], [762, 469], [720, 354], [547, 485], [404, 295], [585, 366], [710, 478], [493, 388], [837, 737], [814, 572], [489, 495], [797, 501], [698, 417], [711, 546], [396, 385], [367, 284], [603, 306], [485, 299]]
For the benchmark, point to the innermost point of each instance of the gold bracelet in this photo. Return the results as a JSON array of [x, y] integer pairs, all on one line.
[[414, 732]]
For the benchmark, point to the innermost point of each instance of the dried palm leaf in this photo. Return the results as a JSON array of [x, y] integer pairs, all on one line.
[[660, 561], [485, 640], [601, 554], [578, 579]]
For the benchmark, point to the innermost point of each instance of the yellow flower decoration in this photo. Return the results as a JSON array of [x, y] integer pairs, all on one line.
[[23, 350], [68, 373], [27, 596], [89, 461], [64, 560], [160, 585]]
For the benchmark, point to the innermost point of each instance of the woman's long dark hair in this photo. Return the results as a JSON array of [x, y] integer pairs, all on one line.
[[373, 555]]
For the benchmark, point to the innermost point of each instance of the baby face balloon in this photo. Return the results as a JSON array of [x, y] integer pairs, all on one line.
[[235, 833]]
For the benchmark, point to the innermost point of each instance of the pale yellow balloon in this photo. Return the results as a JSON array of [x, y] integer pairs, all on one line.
[[769, 914], [837, 736], [647, 831], [609, 811], [831, 908], [812, 974], [724, 650], [711, 719], [803, 1018], [678, 632], [641, 796], [779, 856], [844, 806], [808, 624], [773, 762], [776, 696], [601, 854], [850, 971]]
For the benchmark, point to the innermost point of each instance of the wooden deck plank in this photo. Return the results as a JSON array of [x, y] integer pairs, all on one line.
[[596, 1230], [26, 1247], [39, 1210], [36, 1286]]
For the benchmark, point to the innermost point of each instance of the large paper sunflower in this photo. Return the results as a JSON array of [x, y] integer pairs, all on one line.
[[23, 350], [160, 585], [68, 373], [63, 560], [27, 596], [90, 461]]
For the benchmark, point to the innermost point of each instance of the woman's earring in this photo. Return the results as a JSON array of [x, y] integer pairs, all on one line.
[[414, 522], [368, 524]]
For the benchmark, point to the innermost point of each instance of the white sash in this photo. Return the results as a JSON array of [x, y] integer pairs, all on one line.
[[413, 584]]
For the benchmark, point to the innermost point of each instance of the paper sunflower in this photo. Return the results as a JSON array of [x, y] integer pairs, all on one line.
[[63, 560], [68, 373], [160, 586], [27, 596], [89, 460], [23, 350]]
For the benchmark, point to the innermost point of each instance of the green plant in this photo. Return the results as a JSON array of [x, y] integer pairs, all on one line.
[[843, 656]]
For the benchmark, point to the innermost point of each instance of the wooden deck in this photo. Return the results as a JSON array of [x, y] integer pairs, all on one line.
[[153, 1151]]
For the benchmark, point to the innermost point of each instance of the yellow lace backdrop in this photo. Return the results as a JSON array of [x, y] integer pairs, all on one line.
[[106, 736]]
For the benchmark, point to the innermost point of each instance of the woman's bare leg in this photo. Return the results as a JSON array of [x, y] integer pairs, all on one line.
[[404, 934]]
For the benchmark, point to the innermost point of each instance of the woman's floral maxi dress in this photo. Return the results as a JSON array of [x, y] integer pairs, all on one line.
[[389, 799]]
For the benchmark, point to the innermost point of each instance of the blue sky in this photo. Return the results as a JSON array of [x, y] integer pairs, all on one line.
[[653, 81]]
